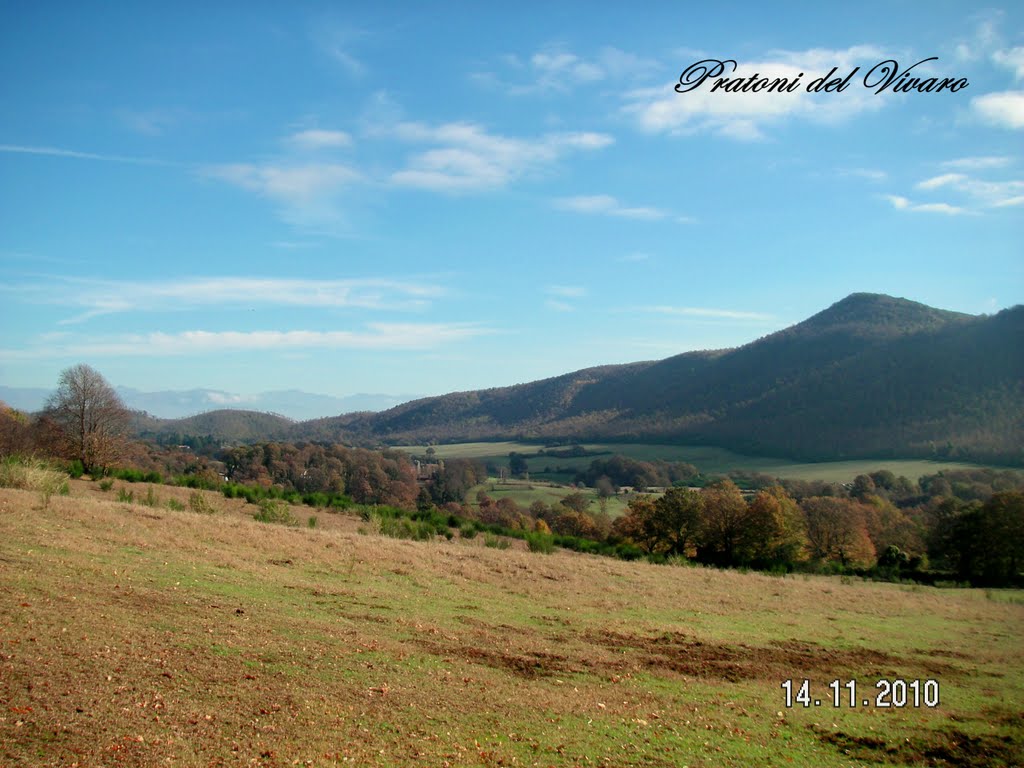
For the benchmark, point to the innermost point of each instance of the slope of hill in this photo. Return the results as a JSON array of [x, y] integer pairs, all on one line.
[[870, 377], [137, 635], [227, 425]]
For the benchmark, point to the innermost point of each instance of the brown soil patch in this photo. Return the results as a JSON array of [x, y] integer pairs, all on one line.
[[949, 747], [696, 658]]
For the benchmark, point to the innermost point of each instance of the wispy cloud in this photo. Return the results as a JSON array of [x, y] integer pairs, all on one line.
[[566, 291], [105, 297], [315, 139], [983, 38], [1004, 109], [336, 42], [606, 205], [746, 116], [308, 195], [871, 174], [73, 153], [901, 203], [977, 163], [560, 296], [634, 257], [372, 336], [154, 122], [286, 184], [469, 158], [979, 192], [1011, 59], [557, 70]]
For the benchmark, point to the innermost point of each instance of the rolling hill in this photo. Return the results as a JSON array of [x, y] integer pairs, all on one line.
[[870, 377]]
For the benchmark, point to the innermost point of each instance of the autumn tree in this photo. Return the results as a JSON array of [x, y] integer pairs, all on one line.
[[989, 540], [774, 529], [637, 524], [15, 433], [90, 415], [669, 524], [724, 524], [837, 530]]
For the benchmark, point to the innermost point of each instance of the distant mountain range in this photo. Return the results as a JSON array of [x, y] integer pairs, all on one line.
[[292, 403], [872, 376]]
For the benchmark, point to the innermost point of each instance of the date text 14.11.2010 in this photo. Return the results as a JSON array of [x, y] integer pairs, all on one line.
[[894, 693]]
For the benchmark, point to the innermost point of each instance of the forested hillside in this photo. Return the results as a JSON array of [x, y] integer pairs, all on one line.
[[871, 376]]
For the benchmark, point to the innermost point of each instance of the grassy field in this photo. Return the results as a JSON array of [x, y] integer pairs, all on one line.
[[707, 459], [525, 492], [141, 635]]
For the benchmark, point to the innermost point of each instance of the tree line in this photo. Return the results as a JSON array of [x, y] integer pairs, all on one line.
[[965, 523]]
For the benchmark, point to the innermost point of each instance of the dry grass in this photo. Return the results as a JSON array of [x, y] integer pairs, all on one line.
[[132, 635]]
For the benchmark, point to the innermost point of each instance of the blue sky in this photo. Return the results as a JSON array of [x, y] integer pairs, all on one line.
[[407, 199]]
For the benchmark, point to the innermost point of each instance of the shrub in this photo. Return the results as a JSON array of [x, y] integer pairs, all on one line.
[[76, 470], [311, 522], [495, 542], [198, 502], [33, 475], [404, 528], [539, 542], [123, 494], [150, 499], [468, 531], [106, 484], [176, 505], [274, 511]]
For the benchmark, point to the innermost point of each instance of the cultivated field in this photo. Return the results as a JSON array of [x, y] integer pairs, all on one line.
[[707, 459], [141, 635], [525, 492]]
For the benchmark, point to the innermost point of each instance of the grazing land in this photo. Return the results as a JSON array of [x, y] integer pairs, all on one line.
[[144, 635], [708, 459]]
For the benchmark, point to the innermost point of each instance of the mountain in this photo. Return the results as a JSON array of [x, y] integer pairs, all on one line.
[[291, 403], [176, 404], [27, 399], [871, 376]]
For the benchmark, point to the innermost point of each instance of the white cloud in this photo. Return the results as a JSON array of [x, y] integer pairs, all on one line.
[[286, 184], [1004, 109], [555, 70], [903, 204], [1009, 201], [995, 194], [308, 195], [314, 139], [104, 297], [1012, 59], [871, 174], [608, 206], [984, 38], [941, 181], [71, 153], [373, 336], [336, 42], [153, 122], [469, 158], [565, 69], [558, 306], [744, 116], [566, 291], [977, 163]]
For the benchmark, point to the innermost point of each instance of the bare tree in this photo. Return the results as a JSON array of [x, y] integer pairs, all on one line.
[[91, 417]]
